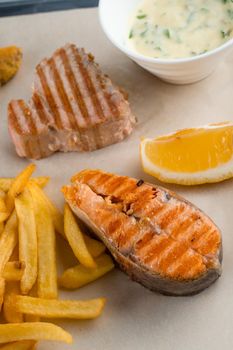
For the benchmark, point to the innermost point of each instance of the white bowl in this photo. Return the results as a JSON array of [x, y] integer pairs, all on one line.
[[114, 18]]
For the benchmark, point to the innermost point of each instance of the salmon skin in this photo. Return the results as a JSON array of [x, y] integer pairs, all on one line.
[[157, 237], [74, 107]]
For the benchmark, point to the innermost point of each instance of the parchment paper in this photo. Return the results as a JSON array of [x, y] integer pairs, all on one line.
[[134, 318]]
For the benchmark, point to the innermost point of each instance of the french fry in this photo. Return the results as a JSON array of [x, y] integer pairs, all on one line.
[[19, 345], [27, 239], [96, 248], [37, 330], [18, 186], [2, 291], [6, 182], [4, 216], [10, 314], [76, 240], [2, 226], [2, 209], [76, 309], [57, 217], [47, 271], [78, 276], [8, 240], [2, 205], [32, 318], [13, 270]]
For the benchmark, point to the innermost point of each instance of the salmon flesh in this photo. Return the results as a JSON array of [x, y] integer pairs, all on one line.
[[157, 237]]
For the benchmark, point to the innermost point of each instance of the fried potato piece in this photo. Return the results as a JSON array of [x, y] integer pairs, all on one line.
[[35, 330], [19, 345], [2, 209], [6, 182], [3, 216], [10, 314], [96, 248], [57, 217], [2, 226], [2, 291], [8, 240], [28, 317], [13, 270], [78, 276], [2, 205], [18, 186], [76, 240], [27, 239], [47, 271], [10, 61], [76, 309]]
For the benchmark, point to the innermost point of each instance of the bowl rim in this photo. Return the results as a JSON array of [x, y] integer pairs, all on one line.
[[139, 57]]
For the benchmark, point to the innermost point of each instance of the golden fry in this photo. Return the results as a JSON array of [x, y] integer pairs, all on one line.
[[6, 182], [76, 240], [27, 239], [2, 226], [8, 240], [10, 314], [41, 197], [77, 309], [96, 248], [2, 205], [2, 291], [32, 318], [13, 270], [3, 216], [37, 331], [47, 271], [18, 186], [78, 276], [19, 345]]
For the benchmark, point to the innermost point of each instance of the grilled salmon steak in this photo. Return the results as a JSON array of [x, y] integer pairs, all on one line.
[[158, 238], [74, 107]]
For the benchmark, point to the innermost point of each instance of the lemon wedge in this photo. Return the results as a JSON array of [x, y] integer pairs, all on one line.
[[190, 156]]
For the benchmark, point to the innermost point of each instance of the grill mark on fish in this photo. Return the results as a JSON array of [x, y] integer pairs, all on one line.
[[15, 119], [204, 243], [174, 252], [38, 110], [93, 95], [108, 106], [27, 116], [49, 97], [48, 70], [62, 94], [84, 98], [171, 215], [31, 124], [82, 118], [187, 265]]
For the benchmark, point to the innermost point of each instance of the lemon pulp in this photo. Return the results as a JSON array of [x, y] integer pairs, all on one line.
[[192, 150]]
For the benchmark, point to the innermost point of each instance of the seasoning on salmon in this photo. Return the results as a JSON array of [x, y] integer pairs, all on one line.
[[160, 239], [74, 107]]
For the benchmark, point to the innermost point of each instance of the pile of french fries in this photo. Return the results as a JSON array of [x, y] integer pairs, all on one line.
[[29, 222]]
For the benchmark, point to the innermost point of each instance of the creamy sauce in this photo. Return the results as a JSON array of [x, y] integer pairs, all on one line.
[[180, 28]]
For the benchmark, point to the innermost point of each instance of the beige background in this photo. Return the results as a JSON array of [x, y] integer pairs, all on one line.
[[134, 318]]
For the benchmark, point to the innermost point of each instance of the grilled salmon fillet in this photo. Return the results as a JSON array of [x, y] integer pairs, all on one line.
[[158, 238], [74, 107]]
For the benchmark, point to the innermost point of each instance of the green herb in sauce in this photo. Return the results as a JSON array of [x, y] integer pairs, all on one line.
[[141, 16], [180, 28]]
